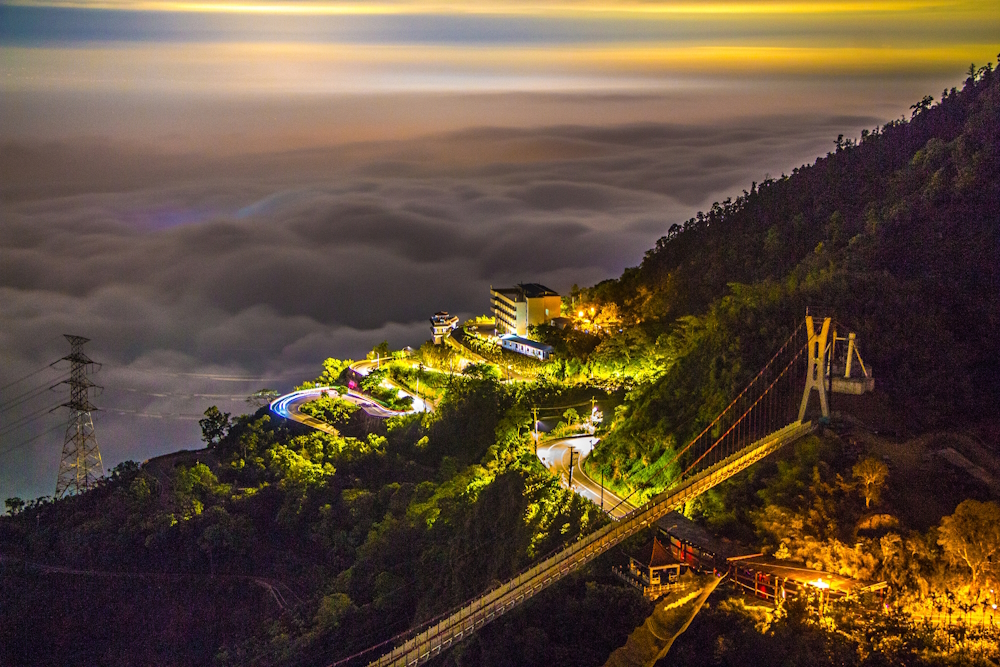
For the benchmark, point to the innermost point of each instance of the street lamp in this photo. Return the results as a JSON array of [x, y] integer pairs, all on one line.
[[420, 369]]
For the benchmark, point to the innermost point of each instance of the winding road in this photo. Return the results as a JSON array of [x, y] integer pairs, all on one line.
[[555, 455], [287, 406]]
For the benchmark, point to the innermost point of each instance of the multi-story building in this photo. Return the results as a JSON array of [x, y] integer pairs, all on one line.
[[441, 325], [527, 304]]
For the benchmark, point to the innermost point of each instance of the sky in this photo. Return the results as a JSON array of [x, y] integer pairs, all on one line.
[[222, 194]]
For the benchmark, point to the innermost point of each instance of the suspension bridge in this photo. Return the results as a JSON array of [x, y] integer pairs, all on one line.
[[764, 417]]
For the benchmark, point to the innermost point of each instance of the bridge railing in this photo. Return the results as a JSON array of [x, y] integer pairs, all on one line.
[[431, 640]]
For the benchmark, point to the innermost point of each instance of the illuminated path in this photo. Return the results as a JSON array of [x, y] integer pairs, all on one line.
[[288, 406], [555, 455]]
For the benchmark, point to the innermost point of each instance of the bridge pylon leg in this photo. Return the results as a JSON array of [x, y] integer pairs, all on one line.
[[816, 374]]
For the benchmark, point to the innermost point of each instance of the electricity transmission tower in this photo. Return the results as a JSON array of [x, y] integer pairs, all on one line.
[[81, 464]]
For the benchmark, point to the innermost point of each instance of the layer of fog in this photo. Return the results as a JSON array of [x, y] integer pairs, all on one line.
[[200, 279]]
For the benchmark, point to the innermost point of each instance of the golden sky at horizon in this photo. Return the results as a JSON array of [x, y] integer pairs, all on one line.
[[744, 53], [433, 39], [516, 8]]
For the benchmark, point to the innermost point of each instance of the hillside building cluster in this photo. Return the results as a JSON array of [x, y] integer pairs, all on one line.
[[514, 309]]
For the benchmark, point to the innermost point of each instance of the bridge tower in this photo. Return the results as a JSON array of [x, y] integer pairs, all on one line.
[[81, 465], [816, 373]]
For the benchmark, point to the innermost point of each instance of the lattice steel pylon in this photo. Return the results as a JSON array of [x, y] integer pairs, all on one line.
[[81, 465]]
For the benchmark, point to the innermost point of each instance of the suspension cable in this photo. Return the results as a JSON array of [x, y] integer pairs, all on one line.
[[721, 414]]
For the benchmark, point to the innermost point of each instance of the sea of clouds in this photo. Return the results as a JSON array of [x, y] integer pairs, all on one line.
[[201, 278]]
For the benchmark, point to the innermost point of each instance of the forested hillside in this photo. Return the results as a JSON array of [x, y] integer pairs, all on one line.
[[897, 236], [400, 523]]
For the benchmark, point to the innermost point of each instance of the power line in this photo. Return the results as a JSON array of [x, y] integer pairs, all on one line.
[[50, 384], [22, 379], [32, 439], [27, 419], [37, 391]]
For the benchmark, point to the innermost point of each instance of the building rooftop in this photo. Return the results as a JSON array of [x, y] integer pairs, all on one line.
[[677, 525], [653, 554], [534, 290], [524, 291]]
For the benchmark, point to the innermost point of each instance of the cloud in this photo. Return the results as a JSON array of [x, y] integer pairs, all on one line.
[[201, 278]]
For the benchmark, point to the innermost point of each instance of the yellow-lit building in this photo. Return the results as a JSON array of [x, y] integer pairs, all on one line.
[[527, 304]]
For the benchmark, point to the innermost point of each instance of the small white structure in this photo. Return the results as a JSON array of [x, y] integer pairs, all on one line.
[[525, 346], [442, 324]]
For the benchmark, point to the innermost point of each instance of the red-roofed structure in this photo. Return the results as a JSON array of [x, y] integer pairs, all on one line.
[[652, 570]]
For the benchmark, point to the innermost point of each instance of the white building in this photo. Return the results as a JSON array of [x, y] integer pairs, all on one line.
[[525, 346]]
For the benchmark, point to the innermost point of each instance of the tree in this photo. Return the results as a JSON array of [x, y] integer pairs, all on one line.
[[332, 370], [225, 535], [608, 317], [381, 350], [872, 474], [571, 416], [971, 536], [922, 105], [214, 427], [262, 397], [332, 609], [14, 505], [334, 411], [192, 487], [372, 382], [482, 372]]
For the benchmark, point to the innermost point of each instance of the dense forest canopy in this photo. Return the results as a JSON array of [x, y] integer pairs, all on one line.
[[280, 545], [895, 235]]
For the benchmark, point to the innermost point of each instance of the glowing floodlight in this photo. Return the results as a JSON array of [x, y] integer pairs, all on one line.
[[820, 584]]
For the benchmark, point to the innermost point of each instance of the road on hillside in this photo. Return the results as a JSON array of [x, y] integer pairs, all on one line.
[[288, 407], [555, 455]]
